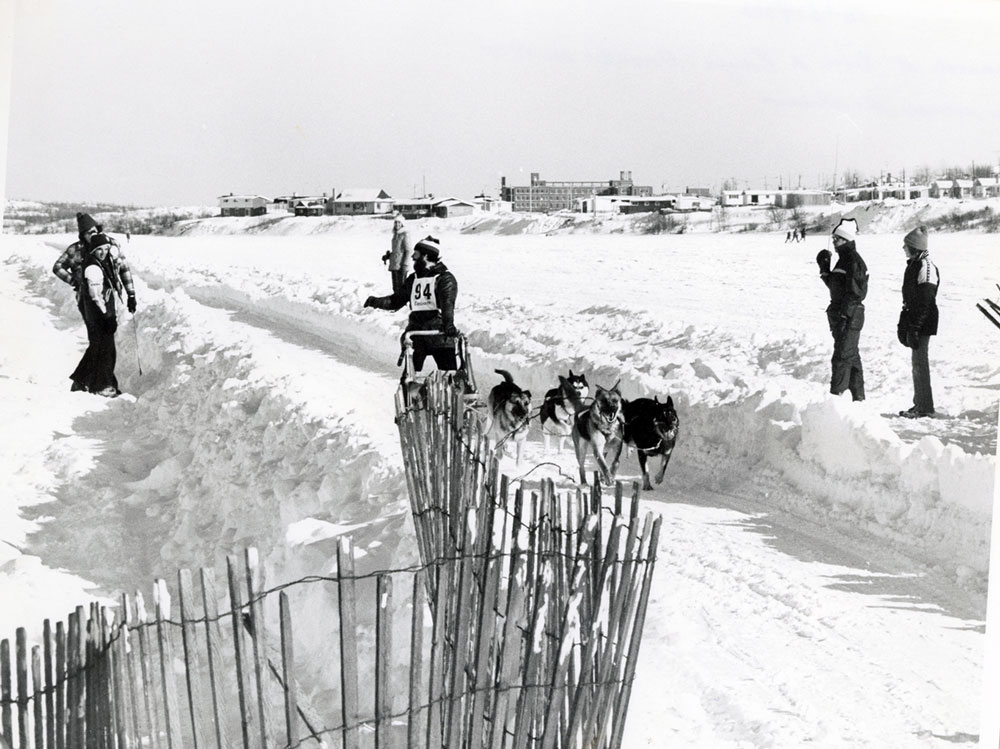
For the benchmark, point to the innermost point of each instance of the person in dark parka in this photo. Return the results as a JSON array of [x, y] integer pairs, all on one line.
[[918, 320], [430, 291], [848, 285], [100, 286]]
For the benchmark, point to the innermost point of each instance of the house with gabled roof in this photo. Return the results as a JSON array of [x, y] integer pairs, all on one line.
[[942, 188], [360, 202], [243, 205], [962, 188], [986, 187]]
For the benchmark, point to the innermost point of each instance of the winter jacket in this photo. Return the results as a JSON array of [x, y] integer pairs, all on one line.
[[399, 255], [431, 295], [848, 284], [920, 287], [69, 268]]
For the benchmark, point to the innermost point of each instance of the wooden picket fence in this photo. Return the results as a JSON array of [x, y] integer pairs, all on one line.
[[550, 598], [519, 629]]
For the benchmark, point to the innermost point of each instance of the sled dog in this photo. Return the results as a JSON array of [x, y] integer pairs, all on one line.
[[600, 425], [651, 428], [561, 405], [509, 411]]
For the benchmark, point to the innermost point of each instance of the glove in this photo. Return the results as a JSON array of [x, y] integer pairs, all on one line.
[[912, 339], [451, 330], [385, 258], [370, 301], [823, 261], [131, 304]]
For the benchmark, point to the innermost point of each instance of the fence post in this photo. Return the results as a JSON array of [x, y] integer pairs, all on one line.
[[415, 715], [21, 647], [235, 605], [347, 603], [47, 653], [192, 663], [36, 679], [168, 680], [258, 635], [213, 636], [383, 662], [145, 665], [288, 669], [60, 681], [6, 725]]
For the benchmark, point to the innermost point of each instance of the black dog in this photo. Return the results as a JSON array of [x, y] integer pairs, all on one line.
[[510, 411], [561, 404], [651, 428], [600, 425]]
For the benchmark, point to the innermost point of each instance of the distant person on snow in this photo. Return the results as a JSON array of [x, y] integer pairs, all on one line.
[[430, 291], [788, 237], [101, 284], [69, 266], [918, 320], [398, 257], [848, 284]]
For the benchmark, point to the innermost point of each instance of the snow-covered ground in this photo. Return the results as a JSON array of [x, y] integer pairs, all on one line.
[[822, 568]]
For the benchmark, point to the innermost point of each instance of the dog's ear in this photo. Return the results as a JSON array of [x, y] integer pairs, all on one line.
[[571, 375], [656, 399], [615, 387], [527, 394], [670, 403]]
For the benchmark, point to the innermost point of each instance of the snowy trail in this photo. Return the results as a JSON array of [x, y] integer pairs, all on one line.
[[765, 629]]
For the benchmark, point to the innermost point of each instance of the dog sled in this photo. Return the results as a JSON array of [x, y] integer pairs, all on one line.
[[413, 383]]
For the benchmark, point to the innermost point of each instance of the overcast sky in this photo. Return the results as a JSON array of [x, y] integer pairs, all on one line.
[[163, 103]]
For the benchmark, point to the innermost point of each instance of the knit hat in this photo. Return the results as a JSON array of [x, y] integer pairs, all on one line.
[[429, 247], [846, 229], [99, 240], [85, 223], [917, 238]]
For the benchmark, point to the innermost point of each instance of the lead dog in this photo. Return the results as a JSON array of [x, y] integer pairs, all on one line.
[[600, 425], [560, 405], [651, 428], [510, 412]]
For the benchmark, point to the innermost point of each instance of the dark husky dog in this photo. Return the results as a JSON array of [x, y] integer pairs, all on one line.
[[561, 405], [651, 428], [600, 425], [510, 411]]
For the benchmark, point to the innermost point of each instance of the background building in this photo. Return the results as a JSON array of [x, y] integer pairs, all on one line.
[[544, 196]]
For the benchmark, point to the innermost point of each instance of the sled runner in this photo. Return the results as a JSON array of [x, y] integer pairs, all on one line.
[[412, 381], [992, 312]]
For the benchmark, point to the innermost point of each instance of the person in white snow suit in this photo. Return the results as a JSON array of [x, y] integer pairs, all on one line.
[[848, 285], [430, 291], [100, 286], [918, 320], [69, 265], [398, 257]]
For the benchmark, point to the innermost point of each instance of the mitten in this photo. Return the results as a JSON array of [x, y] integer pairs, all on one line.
[[823, 261], [912, 338], [131, 304]]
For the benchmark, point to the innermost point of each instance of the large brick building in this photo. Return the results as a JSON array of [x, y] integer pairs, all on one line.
[[544, 196]]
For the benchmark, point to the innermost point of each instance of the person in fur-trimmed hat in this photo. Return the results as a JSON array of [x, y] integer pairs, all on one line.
[[918, 320], [430, 291], [848, 285], [398, 257]]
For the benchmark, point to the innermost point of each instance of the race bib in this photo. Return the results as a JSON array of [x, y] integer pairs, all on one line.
[[423, 297]]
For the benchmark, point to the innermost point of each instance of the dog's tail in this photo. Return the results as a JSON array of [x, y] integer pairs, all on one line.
[[505, 374]]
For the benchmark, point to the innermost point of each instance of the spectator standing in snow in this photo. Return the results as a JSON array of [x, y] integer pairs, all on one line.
[[918, 320], [430, 291], [848, 285], [69, 266], [101, 284], [398, 257]]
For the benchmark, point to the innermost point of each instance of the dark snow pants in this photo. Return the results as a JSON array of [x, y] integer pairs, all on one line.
[[923, 397], [847, 372], [96, 370]]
